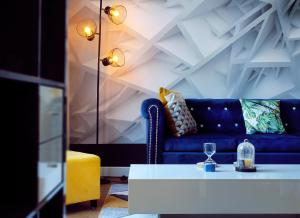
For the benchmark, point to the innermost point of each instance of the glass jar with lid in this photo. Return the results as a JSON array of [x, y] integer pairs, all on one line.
[[246, 157]]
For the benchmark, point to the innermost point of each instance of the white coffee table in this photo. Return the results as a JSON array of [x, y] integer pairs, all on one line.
[[185, 189]]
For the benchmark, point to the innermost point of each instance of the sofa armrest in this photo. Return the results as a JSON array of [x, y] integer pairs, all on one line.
[[154, 113]]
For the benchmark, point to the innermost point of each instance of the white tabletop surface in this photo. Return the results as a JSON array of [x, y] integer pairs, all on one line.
[[186, 189], [225, 171]]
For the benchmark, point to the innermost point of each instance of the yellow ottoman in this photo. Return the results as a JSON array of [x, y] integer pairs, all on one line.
[[83, 178]]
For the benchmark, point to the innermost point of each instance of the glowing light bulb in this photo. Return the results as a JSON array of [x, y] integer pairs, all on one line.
[[115, 13], [116, 58], [88, 31]]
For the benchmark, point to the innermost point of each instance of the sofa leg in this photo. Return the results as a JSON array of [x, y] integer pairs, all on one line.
[[93, 203]]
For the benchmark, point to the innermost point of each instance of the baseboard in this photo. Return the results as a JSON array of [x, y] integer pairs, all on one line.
[[115, 171], [115, 155]]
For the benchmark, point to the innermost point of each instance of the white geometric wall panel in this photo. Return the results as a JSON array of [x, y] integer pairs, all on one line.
[[203, 48]]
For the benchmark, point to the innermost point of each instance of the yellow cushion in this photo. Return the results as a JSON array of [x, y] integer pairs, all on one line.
[[162, 94], [83, 177]]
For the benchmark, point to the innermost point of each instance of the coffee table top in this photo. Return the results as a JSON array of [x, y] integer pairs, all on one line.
[[224, 172]]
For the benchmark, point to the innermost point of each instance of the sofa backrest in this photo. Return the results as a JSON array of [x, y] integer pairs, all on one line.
[[217, 115], [290, 115], [225, 115]]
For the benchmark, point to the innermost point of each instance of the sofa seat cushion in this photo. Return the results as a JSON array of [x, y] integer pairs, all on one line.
[[193, 143], [273, 142]]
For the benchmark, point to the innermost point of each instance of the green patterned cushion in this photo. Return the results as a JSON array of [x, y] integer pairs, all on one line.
[[262, 116]]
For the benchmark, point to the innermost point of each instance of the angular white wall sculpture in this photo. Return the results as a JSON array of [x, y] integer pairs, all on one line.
[[203, 48]]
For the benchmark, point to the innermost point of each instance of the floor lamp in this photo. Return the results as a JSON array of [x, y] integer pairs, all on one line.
[[116, 58]]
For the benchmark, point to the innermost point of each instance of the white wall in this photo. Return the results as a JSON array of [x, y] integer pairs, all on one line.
[[203, 48]]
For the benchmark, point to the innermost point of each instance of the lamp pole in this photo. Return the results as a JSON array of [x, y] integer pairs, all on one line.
[[98, 75], [103, 181]]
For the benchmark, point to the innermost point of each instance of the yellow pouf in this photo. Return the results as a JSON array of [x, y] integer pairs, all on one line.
[[83, 177]]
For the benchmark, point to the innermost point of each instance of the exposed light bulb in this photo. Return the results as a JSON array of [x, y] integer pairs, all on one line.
[[88, 31], [116, 58], [115, 13]]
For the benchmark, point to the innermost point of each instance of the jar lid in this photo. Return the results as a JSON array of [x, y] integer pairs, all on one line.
[[245, 143]]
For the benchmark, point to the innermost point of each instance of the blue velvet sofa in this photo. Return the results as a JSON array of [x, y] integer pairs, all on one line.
[[220, 121]]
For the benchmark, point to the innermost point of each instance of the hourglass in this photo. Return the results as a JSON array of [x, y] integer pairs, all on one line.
[[209, 149]]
